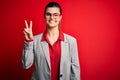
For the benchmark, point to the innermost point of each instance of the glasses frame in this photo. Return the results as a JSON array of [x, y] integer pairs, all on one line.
[[49, 15]]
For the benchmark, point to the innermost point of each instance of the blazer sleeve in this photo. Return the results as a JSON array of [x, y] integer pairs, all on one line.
[[27, 55], [75, 66]]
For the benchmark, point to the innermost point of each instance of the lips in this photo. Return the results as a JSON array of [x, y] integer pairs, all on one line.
[[51, 21]]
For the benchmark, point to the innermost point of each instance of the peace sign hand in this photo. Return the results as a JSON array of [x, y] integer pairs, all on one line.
[[28, 31]]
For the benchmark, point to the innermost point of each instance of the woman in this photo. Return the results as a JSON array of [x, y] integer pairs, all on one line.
[[53, 52]]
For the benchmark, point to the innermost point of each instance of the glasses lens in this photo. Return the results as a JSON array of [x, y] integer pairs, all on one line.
[[55, 15]]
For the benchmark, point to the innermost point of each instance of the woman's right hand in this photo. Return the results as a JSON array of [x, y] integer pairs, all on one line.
[[28, 31]]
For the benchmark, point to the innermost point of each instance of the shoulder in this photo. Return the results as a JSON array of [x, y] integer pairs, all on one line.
[[38, 36], [69, 38]]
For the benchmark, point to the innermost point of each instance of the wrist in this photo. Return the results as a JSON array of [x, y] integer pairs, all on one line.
[[28, 40]]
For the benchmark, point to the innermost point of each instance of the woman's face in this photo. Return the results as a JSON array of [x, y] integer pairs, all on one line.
[[52, 17]]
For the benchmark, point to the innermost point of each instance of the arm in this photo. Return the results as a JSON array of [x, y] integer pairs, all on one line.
[[75, 67], [27, 54]]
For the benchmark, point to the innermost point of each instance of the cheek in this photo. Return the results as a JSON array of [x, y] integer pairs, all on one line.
[[60, 19], [46, 20]]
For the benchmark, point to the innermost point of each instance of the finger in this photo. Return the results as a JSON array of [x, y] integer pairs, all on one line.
[[31, 25], [26, 30], [26, 24], [24, 33], [26, 36]]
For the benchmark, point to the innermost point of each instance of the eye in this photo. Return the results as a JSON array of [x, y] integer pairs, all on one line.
[[48, 14], [56, 14]]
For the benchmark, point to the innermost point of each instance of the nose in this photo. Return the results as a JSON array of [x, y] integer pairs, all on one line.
[[51, 16]]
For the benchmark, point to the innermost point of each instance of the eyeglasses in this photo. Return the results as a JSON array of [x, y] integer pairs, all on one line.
[[55, 15]]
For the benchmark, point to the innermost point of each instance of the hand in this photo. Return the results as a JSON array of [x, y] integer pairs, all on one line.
[[28, 31]]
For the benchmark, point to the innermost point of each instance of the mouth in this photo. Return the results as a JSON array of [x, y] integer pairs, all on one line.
[[51, 21]]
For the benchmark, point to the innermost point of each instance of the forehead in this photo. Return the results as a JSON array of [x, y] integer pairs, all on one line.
[[53, 10]]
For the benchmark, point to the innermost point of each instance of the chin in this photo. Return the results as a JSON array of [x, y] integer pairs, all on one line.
[[52, 25]]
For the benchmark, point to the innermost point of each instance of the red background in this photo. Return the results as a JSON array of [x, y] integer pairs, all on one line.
[[95, 24]]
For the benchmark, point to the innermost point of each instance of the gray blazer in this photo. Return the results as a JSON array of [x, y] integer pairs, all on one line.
[[37, 51]]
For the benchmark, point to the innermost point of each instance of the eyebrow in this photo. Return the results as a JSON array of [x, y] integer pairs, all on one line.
[[52, 13]]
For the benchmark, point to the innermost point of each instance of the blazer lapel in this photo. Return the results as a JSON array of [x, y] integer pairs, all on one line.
[[46, 51], [64, 52]]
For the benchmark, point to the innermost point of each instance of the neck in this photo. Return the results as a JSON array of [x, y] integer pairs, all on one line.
[[51, 32]]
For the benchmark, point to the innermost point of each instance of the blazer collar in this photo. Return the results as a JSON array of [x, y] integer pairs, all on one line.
[[61, 36]]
